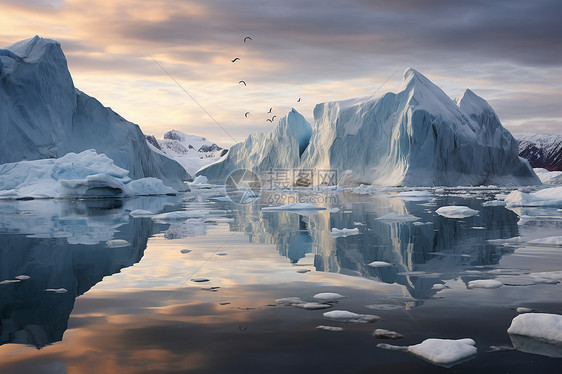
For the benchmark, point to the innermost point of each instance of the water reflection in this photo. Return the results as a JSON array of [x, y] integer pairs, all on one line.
[[423, 253], [61, 245]]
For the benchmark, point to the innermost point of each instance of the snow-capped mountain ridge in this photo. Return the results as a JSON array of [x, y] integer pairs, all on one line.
[[541, 150], [44, 116], [416, 137]]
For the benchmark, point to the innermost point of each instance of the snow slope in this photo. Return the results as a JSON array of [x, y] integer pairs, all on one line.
[[262, 152], [190, 151], [416, 137], [541, 150], [44, 116]]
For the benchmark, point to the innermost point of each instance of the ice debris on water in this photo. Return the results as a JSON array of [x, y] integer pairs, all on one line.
[[523, 309], [56, 290], [442, 352], [454, 211], [117, 243], [297, 302], [347, 316], [542, 326], [22, 277], [8, 281], [380, 264], [484, 283], [329, 328], [386, 334], [328, 296], [342, 233]]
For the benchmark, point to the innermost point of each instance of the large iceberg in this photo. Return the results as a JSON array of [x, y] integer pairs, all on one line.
[[416, 137], [44, 116], [83, 175]]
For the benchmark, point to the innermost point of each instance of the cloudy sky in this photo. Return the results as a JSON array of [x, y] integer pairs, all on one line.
[[508, 51]]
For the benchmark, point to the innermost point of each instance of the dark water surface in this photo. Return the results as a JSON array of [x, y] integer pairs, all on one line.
[[134, 309]]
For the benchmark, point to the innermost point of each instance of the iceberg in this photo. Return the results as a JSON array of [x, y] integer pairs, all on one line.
[[416, 137], [44, 116], [83, 175], [543, 326], [546, 197]]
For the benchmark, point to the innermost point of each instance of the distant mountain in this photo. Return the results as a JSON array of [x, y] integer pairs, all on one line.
[[42, 115], [416, 137], [190, 151], [541, 150]]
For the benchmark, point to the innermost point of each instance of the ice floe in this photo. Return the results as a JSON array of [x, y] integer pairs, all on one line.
[[454, 211], [545, 197], [542, 326], [386, 334], [549, 241], [22, 277], [484, 283], [380, 264], [342, 233], [137, 213], [117, 243], [8, 281], [347, 316], [523, 309], [328, 297], [442, 352], [329, 328]]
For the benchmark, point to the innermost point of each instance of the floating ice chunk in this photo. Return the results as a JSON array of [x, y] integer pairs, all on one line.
[[386, 334], [380, 264], [414, 195], [199, 280], [329, 328], [22, 277], [185, 251], [422, 223], [141, 213], [438, 287], [311, 305], [117, 243], [454, 211], [440, 190], [298, 207], [550, 241], [342, 233], [328, 297], [494, 203], [444, 352], [545, 276], [506, 242], [485, 283], [289, 301], [8, 281], [393, 217], [148, 187], [347, 316], [546, 197], [56, 290], [523, 309], [200, 179], [542, 326]]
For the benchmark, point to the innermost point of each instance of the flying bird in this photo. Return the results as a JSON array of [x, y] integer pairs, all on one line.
[[247, 38], [272, 118], [242, 82], [299, 100], [235, 59], [270, 110], [268, 120], [246, 114]]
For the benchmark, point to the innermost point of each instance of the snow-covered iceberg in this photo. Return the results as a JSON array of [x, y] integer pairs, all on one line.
[[44, 116], [416, 137], [83, 175]]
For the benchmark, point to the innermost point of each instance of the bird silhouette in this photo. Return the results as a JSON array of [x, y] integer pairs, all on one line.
[[235, 59], [242, 82], [246, 114], [247, 38], [268, 120], [272, 118], [299, 100], [270, 110]]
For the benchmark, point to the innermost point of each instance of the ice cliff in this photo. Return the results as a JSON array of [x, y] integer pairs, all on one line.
[[42, 115], [416, 137]]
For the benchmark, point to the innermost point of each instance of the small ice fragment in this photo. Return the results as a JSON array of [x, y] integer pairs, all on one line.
[[117, 243], [386, 334], [289, 301], [184, 251], [484, 283], [438, 286], [8, 281], [444, 352], [137, 213], [393, 217], [347, 316], [494, 203], [380, 264], [500, 348], [312, 305], [302, 271], [523, 309], [199, 280], [329, 328], [454, 211], [543, 326], [56, 290], [22, 277], [342, 233], [328, 297]]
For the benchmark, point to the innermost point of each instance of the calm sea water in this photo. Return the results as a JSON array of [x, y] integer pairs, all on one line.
[[136, 308]]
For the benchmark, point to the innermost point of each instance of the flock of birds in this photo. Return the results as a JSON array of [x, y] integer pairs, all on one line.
[[244, 83]]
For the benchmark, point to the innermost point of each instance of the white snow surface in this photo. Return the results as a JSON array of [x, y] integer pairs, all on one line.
[[454, 211], [543, 326], [86, 174], [44, 116], [444, 351], [416, 137], [545, 197]]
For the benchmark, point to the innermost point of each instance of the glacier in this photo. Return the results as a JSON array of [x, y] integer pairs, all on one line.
[[83, 175], [44, 116], [416, 137]]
